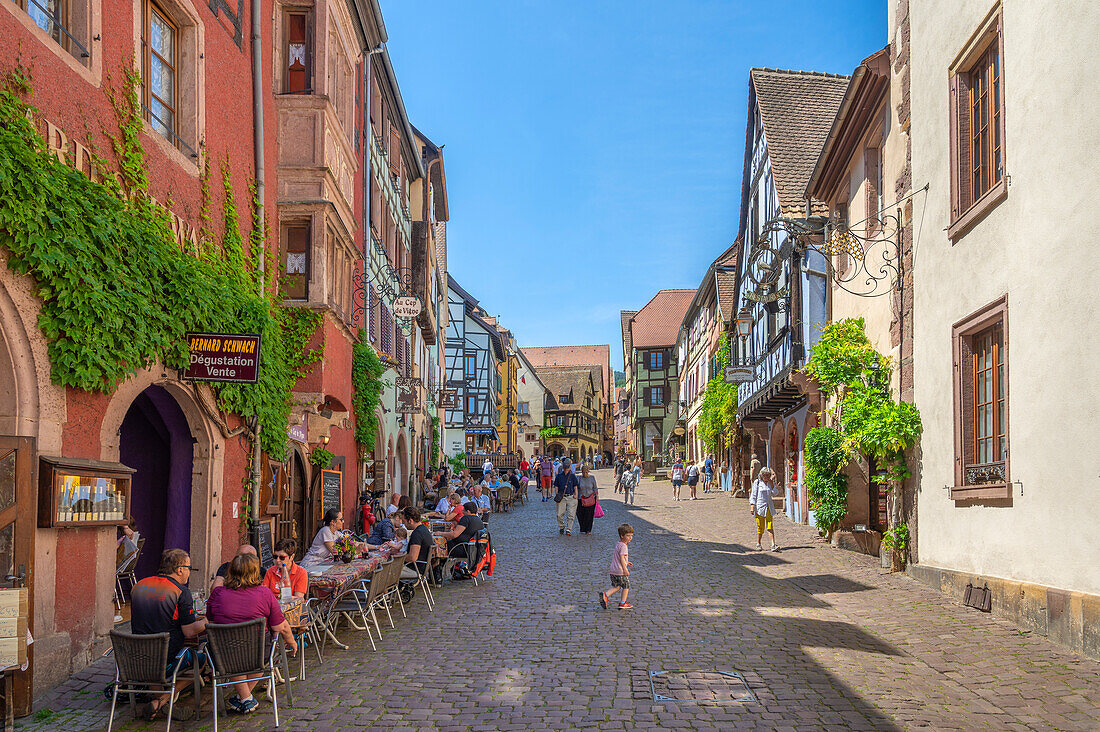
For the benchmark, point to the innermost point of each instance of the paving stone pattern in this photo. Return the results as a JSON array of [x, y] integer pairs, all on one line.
[[823, 638]]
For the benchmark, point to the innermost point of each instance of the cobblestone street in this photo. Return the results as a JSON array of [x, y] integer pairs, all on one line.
[[822, 637]]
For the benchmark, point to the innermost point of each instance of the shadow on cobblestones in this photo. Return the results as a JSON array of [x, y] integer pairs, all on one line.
[[822, 639]]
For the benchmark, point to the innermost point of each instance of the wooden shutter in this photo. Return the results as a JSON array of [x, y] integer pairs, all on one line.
[[372, 315], [960, 144], [375, 207], [395, 150], [375, 102]]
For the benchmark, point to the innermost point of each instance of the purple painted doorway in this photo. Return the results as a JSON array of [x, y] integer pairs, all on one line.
[[156, 441]]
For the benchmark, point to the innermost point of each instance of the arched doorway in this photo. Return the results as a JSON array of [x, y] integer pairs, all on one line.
[[555, 449], [156, 441]]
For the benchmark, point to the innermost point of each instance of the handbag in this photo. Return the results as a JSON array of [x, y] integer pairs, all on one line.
[[558, 496], [599, 511], [587, 501]]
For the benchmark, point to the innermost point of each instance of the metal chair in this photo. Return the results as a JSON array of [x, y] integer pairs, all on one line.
[[422, 567], [141, 666], [393, 584], [469, 551], [241, 649], [125, 571]]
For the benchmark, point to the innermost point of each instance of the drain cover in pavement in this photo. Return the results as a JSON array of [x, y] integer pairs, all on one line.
[[701, 687]]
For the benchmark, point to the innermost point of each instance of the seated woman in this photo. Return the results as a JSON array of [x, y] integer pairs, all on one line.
[[324, 544], [456, 513], [285, 573], [445, 504], [381, 533], [241, 599]]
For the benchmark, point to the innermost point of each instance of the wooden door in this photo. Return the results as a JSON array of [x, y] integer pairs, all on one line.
[[291, 522], [18, 516]]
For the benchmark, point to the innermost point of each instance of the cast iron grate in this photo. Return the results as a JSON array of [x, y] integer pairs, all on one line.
[[701, 687]]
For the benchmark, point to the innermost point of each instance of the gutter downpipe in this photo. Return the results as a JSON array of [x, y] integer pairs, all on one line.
[[258, 145]]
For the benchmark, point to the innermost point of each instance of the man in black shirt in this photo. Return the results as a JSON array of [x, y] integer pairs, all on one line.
[[466, 529], [421, 543]]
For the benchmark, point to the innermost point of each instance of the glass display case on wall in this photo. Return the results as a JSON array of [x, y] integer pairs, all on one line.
[[76, 493]]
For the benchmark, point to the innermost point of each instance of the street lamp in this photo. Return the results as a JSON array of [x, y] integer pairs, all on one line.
[[743, 323]]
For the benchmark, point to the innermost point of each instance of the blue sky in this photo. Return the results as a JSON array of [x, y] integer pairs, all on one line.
[[594, 147]]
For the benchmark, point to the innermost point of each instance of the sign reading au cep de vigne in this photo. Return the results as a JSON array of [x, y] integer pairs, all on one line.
[[407, 306], [233, 357]]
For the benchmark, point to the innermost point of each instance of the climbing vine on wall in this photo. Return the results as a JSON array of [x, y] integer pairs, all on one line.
[[366, 378], [718, 415], [866, 419], [117, 293]]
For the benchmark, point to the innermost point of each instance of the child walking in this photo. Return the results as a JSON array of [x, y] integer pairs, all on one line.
[[620, 570]]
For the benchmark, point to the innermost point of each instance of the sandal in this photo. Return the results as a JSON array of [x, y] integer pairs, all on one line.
[[603, 601], [149, 711]]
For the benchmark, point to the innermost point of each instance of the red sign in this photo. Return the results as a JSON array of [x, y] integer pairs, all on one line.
[[233, 357]]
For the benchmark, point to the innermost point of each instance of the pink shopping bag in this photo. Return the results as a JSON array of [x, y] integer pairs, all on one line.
[[599, 511]]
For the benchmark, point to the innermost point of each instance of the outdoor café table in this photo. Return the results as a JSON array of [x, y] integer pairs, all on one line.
[[327, 582]]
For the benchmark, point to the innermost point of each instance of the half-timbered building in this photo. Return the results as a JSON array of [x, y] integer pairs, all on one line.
[[782, 286], [473, 351], [653, 373], [571, 411]]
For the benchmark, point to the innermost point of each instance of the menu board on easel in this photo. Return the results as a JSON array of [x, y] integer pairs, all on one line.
[[332, 490], [261, 538]]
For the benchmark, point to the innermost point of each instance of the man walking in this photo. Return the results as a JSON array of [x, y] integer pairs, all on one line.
[[618, 475], [566, 484], [708, 473]]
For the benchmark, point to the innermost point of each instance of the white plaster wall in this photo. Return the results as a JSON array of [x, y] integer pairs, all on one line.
[[1038, 247]]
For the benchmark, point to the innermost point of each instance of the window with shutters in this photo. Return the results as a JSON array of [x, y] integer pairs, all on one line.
[[656, 360], [296, 261], [386, 326], [372, 315], [654, 396], [981, 404], [978, 179], [872, 173], [298, 53]]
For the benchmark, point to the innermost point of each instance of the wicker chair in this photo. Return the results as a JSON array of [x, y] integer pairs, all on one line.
[[241, 649], [506, 497], [141, 663]]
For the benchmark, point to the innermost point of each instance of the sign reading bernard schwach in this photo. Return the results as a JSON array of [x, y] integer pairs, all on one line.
[[233, 357]]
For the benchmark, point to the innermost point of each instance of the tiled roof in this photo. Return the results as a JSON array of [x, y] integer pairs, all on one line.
[[727, 294], [797, 108], [625, 316], [657, 324], [563, 379], [596, 355]]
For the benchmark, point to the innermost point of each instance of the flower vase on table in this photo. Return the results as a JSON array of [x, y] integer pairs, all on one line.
[[345, 548], [346, 557]]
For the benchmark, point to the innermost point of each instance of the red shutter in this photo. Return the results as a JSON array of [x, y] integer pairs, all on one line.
[[395, 150], [298, 54], [372, 315], [375, 102]]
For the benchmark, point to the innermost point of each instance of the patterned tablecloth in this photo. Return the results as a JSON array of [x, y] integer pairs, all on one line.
[[339, 576]]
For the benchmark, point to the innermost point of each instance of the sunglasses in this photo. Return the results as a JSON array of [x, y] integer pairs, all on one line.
[[281, 557]]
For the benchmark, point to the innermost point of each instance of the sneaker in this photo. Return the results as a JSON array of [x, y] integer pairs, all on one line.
[[759, 548], [625, 606], [603, 601], [561, 532], [775, 547], [568, 533], [242, 707]]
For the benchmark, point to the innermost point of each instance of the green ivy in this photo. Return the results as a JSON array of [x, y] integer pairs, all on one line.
[[458, 463], [118, 295], [547, 432], [897, 538], [437, 445], [319, 457], [826, 454], [718, 414], [870, 422], [366, 377]]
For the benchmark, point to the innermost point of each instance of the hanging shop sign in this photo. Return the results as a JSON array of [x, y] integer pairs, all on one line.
[[298, 432], [407, 306], [481, 431], [738, 374], [449, 399], [408, 395], [232, 357]]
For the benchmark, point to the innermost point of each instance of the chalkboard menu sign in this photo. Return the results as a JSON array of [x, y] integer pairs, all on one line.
[[332, 493], [261, 539]]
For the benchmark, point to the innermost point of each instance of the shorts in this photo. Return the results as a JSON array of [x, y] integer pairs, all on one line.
[[546, 482], [707, 477], [764, 523], [620, 581], [693, 481], [677, 482]]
